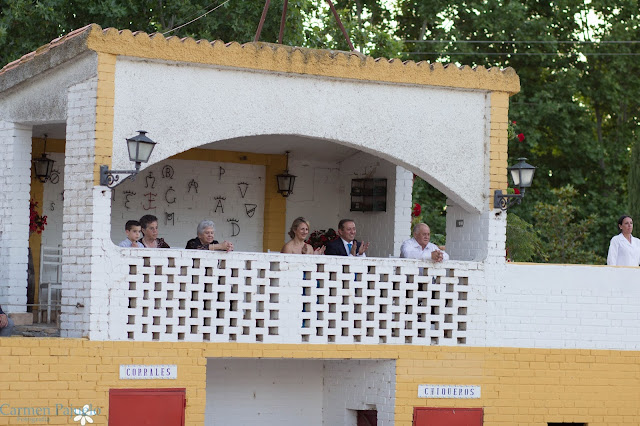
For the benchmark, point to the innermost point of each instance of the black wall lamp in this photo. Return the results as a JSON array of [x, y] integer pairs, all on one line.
[[522, 176], [286, 180], [42, 166], [140, 148]]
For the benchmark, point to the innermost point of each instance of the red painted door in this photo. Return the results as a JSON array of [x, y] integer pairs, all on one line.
[[153, 407], [425, 416]]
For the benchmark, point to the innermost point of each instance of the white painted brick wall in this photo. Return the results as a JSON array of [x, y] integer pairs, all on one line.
[[264, 392], [78, 228], [481, 238], [172, 195], [403, 206], [15, 180], [562, 306], [298, 392], [358, 385]]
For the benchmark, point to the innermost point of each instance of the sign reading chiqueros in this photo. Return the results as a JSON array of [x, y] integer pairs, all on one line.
[[449, 391], [148, 372]]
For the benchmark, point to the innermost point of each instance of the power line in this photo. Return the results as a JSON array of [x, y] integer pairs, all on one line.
[[522, 53], [194, 20], [525, 41]]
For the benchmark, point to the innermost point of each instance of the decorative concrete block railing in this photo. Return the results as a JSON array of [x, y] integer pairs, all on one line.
[[253, 297]]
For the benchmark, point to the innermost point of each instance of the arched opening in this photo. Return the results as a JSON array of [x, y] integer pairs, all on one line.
[[232, 182]]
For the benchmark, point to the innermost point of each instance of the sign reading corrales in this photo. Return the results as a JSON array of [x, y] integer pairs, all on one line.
[[147, 372], [448, 391]]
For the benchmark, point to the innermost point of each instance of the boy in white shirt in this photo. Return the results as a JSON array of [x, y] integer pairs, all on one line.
[[133, 230]]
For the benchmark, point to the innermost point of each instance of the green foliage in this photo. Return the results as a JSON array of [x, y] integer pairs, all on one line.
[[634, 183], [579, 104], [26, 25], [434, 209], [523, 242], [565, 238]]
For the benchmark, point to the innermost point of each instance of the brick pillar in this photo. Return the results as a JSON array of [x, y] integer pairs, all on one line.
[[77, 230], [15, 181], [403, 206]]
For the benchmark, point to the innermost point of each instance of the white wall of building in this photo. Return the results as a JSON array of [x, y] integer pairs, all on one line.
[[186, 192], [264, 392], [315, 196], [563, 306], [15, 178], [352, 385], [438, 133], [298, 392]]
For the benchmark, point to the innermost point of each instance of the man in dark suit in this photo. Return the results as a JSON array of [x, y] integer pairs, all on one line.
[[346, 245]]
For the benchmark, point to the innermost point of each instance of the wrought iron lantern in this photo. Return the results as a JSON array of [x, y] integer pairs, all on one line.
[[286, 181], [43, 166], [140, 148], [522, 176]]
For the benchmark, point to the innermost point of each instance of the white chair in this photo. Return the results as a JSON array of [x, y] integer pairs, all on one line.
[[50, 279]]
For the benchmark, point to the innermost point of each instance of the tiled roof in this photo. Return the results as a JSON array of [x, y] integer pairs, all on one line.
[[276, 58]]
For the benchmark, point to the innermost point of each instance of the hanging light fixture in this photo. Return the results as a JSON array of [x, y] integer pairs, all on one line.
[[286, 180], [43, 166], [140, 148], [522, 176]]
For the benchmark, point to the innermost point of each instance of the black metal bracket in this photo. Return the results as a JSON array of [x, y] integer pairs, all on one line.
[[111, 178], [504, 201]]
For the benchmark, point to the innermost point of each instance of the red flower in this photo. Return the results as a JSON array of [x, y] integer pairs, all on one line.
[[417, 209], [516, 191], [513, 122], [36, 222], [521, 137]]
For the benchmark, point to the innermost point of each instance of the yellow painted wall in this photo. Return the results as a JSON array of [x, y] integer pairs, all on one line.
[[499, 143], [519, 386], [36, 194]]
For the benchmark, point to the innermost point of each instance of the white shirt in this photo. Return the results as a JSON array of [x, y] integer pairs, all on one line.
[[622, 252], [346, 247], [411, 249]]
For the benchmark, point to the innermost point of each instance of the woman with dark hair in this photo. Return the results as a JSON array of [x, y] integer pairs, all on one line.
[[149, 225], [624, 249], [298, 233]]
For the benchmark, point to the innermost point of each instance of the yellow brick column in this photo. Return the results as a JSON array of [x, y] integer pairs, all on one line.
[[104, 112], [499, 143]]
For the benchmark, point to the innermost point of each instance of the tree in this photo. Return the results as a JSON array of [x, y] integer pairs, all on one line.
[[565, 239], [577, 106], [26, 25]]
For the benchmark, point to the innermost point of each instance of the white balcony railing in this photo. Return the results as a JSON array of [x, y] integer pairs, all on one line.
[[185, 295]]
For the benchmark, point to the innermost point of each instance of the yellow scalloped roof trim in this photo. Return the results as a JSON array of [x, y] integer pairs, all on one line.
[[286, 59]]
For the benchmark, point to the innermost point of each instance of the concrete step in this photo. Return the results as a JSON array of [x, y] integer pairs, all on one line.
[[37, 330]]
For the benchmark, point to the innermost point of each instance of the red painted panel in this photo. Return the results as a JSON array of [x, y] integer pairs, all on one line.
[[426, 416], [152, 407]]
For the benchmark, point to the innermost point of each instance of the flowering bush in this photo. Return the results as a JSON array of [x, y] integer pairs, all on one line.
[[36, 222], [511, 132], [417, 210], [321, 237]]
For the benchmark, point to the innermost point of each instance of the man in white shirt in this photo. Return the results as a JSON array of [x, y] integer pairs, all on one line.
[[419, 246], [346, 245]]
